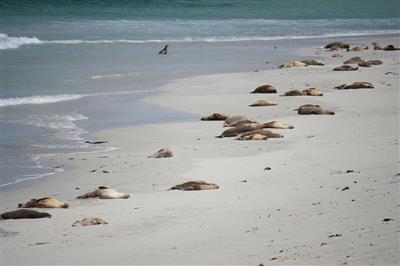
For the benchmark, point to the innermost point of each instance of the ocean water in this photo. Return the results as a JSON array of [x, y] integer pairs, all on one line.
[[71, 67]]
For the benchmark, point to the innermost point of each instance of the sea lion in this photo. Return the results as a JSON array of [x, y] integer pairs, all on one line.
[[103, 192], [313, 92], [235, 119], [265, 89], [354, 60], [89, 221], [215, 117], [358, 48], [164, 50], [264, 132], [264, 103], [44, 203], [194, 185], [345, 68], [235, 131], [337, 44], [312, 62], [254, 136], [293, 93], [277, 125], [245, 122], [334, 49], [309, 109], [292, 64], [163, 153], [24, 214], [355, 85], [390, 47], [377, 46], [370, 63]]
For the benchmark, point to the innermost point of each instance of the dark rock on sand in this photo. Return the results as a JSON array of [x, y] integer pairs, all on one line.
[[355, 85], [345, 68], [24, 214], [163, 153], [265, 89]]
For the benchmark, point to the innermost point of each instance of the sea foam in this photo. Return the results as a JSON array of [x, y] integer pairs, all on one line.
[[40, 99]]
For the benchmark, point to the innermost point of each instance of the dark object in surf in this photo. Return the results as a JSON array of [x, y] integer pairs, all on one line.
[[164, 50]]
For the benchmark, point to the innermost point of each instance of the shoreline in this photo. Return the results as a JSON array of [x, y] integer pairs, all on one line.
[[243, 233]]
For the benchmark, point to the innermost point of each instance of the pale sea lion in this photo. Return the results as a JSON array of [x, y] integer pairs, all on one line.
[[345, 68], [89, 221], [44, 203], [337, 44], [293, 93], [254, 136], [292, 64], [313, 92], [309, 109], [263, 132], [354, 60], [264, 103], [194, 185], [277, 125], [24, 214], [215, 117], [103, 192], [312, 62], [265, 89], [163, 153], [355, 85]]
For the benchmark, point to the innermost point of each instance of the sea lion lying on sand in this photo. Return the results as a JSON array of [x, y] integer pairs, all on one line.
[[163, 153], [103, 192], [235, 131], [337, 44], [358, 48], [235, 119], [251, 135], [309, 109], [293, 93], [345, 68], [312, 62], [194, 185], [389, 47], [370, 63], [292, 64], [264, 103], [24, 214], [240, 123], [265, 89], [355, 85], [277, 125], [215, 117], [354, 60], [44, 203], [254, 136], [313, 92], [89, 221]]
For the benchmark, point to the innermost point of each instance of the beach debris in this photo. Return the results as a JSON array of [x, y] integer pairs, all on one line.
[[387, 220], [267, 168], [103, 192], [259, 134], [345, 68], [337, 45], [313, 92], [312, 62], [355, 85], [44, 203], [335, 235], [293, 93], [215, 117], [389, 47], [311, 109], [164, 50], [264, 103], [24, 214], [93, 171], [292, 64], [345, 188], [95, 142], [265, 89], [163, 153], [88, 221], [337, 55], [194, 185], [370, 63], [105, 172], [353, 60]]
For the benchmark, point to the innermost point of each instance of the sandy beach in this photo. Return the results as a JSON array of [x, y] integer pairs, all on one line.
[[318, 196]]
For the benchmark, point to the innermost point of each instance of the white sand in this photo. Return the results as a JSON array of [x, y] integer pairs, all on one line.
[[280, 216]]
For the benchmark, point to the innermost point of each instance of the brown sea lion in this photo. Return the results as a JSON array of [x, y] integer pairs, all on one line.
[[355, 85], [292, 64], [235, 131], [276, 124], [313, 92], [264, 132], [24, 214], [265, 89], [235, 119], [345, 68], [377, 46], [264, 103], [354, 60], [358, 48], [163, 153], [215, 117], [44, 203], [308, 109], [293, 93], [312, 62], [243, 123], [194, 185], [370, 63], [89, 221], [254, 136], [337, 44], [103, 192], [390, 47]]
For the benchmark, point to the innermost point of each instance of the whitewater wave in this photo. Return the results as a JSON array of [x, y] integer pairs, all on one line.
[[40, 99], [7, 42]]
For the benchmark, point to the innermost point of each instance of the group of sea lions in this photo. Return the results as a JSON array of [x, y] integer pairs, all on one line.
[[336, 46]]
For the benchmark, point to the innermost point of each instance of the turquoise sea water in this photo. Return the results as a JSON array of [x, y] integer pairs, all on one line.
[[70, 67]]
